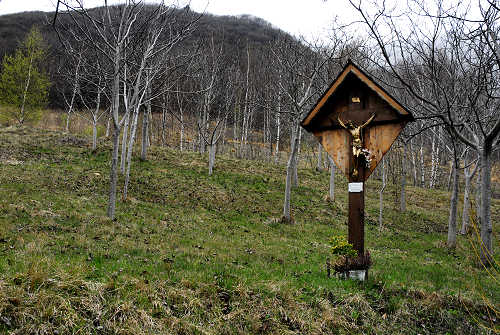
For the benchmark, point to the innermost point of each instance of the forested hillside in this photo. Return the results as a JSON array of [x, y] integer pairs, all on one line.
[[234, 32]]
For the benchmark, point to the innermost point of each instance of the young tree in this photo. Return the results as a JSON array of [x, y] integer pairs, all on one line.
[[23, 82]]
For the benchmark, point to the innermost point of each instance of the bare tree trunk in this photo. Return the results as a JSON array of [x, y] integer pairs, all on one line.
[[114, 173], [201, 129], [381, 196], [25, 92], [452, 220], [450, 176], [124, 143], [223, 147], [164, 121], [478, 195], [332, 179], [295, 180], [414, 163], [73, 95], [485, 214], [433, 163], [133, 131], [403, 180], [116, 135], [422, 166], [211, 157], [320, 156], [94, 134], [182, 130], [468, 175], [145, 135], [145, 126], [278, 133], [288, 185], [246, 116], [94, 121], [107, 126]]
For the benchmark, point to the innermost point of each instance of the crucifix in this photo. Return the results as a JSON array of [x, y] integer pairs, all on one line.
[[356, 121], [357, 140]]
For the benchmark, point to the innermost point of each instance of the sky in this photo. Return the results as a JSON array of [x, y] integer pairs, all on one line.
[[311, 18]]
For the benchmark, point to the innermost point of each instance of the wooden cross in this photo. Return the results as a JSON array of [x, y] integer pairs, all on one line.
[[374, 120]]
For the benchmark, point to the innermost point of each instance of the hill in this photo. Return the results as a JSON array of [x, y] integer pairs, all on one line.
[[192, 254], [235, 31]]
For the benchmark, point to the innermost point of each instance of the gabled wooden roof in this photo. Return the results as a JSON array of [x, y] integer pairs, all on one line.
[[349, 68]]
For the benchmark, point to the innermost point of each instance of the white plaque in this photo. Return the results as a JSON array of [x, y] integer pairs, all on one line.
[[355, 187]]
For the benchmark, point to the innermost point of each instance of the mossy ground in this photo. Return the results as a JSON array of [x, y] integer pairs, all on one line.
[[193, 254]]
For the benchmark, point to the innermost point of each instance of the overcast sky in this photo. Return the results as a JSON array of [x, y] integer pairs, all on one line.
[[308, 17]]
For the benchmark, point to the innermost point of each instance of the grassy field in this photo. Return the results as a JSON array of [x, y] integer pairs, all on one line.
[[193, 254]]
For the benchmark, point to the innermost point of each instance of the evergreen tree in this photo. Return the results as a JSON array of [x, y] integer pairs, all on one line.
[[23, 83]]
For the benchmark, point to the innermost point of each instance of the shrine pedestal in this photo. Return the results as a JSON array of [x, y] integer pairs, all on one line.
[[360, 275]]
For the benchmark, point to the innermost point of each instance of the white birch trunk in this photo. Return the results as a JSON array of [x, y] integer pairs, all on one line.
[[164, 120], [295, 179], [107, 126], [182, 131], [278, 133], [414, 164], [211, 158], [133, 131], [452, 220], [145, 125], [433, 163], [478, 195], [288, 185], [381, 195], [485, 214], [124, 143], [116, 135], [73, 95], [145, 135], [466, 208], [113, 174], [404, 165], [332, 179], [25, 92], [94, 134], [422, 166], [450, 175], [319, 166], [246, 117]]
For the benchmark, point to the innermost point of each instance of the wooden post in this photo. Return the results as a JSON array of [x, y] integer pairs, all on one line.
[[356, 221]]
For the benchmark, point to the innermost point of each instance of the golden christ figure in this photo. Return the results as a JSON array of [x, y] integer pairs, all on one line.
[[357, 139]]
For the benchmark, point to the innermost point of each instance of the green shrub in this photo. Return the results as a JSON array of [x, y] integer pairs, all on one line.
[[341, 247]]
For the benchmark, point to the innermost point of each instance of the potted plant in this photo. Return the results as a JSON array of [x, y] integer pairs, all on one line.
[[348, 264]]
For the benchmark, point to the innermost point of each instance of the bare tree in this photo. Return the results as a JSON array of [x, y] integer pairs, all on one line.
[[300, 66], [447, 63], [215, 87], [113, 32]]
